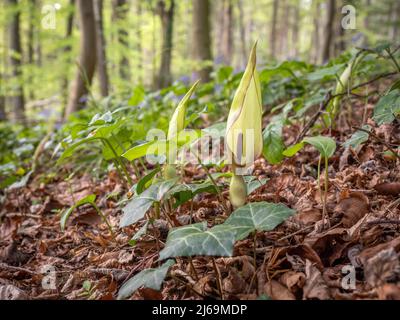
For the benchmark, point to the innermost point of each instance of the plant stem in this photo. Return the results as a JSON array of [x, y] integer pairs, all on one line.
[[326, 190], [193, 268], [121, 164], [218, 276], [393, 59], [103, 218]]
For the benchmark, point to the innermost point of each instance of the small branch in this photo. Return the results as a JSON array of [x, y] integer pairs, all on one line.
[[373, 135], [218, 276], [315, 117]]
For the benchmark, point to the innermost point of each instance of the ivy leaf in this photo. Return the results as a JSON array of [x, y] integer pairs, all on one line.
[[357, 138], [256, 216], [140, 204], [253, 183], [150, 278], [185, 192], [273, 147], [195, 239], [387, 108], [325, 145]]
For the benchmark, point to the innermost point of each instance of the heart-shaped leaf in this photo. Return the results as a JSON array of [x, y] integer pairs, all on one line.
[[387, 107], [185, 192], [150, 278], [256, 216], [195, 239], [292, 150], [138, 205], [273, 147], [357, 138], [90, 199], [325, 145]]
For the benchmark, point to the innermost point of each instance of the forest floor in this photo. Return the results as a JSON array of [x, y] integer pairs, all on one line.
[[303, 258]]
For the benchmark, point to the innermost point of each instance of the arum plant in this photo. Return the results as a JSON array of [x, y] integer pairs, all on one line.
[[342, 87], [326, 147], [244, 129], [176, 125]]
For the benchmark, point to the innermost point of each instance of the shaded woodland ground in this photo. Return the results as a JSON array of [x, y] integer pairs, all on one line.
[[67, 185]]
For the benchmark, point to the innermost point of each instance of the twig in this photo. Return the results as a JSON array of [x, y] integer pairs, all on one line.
[[315, 117], [329, 97], [373, 135], [218, 276]]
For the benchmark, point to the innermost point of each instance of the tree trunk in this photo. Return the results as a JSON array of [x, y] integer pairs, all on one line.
[[2, 101], [101, 47], [274, 23], [329, 31], [119, 12], [201, 38], [67, 49], [315, 43], [283, 29], [227, 33], [17, 97], [395, 20], [167, 21], [87, 58], [242, 35], [139, 40], [31, 32], [296, 28]]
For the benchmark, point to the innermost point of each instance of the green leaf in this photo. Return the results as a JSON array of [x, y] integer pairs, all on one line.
[[387, 108], [195, 239], [138, 234], [327, 72], [325, 145], [137, 96], [141, 150], [292, 150], [256, 216], [150, 278], [65, 214], [253, 183], [140, 204], [357, 138], [273, 147], [144, 183], [185, 192]]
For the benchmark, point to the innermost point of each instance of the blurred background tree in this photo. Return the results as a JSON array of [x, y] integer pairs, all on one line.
[[120, 44]]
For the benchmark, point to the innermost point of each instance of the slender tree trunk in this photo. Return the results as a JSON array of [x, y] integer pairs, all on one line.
[[316, 44], [17, 97], [227, 33], [296, 28], [167, 22], [201, 38], [67, 49], [31, 32], [395, 20], [120, 11], [242, 35], [101, 47], [283, 29], [273, 37], [87, 58], [139, 40], [2, 101], [329, 31]]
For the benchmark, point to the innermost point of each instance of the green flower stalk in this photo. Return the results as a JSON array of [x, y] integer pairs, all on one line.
[[244, 129], [341, 88], [176, 125]]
